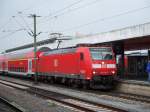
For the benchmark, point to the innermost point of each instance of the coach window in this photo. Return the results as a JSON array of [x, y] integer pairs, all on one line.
[[18, 69], [21, 69], [24, 69]]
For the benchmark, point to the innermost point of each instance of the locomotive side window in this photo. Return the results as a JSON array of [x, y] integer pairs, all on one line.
[[60, 51], [101, 53], [81, 56]]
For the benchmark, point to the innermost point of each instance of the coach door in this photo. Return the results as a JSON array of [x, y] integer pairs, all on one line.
[[30, 66]]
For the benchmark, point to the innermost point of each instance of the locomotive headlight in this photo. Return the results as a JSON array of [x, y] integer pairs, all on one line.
[[94, 72], [113, 72]]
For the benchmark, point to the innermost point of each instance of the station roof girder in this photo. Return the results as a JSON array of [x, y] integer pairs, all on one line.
[[130, 36]]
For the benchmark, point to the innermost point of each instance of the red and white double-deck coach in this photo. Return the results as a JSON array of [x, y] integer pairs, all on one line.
[[2, 63], [19, 63]]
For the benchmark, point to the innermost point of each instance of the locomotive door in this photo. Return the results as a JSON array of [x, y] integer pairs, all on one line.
[[6, 66], [30, 66]]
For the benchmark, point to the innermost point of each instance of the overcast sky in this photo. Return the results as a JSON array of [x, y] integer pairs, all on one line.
[[69, 17]]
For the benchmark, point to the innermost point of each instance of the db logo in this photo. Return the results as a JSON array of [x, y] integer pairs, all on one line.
[[55, 63]]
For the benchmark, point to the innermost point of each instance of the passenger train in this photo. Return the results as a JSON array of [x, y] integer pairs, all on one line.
[[83, 66]]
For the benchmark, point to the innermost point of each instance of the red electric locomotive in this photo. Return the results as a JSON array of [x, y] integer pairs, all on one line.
[[80, 66], [87, 66]]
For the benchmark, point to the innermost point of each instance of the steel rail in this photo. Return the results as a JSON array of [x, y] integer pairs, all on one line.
[[11, 105], [46, 93]]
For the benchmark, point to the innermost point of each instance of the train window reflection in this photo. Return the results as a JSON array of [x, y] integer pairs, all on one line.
[[101, 53]]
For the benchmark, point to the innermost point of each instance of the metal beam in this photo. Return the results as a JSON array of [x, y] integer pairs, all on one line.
[[40, 43]]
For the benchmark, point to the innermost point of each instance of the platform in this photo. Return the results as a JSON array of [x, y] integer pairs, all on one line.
[[134, 87]]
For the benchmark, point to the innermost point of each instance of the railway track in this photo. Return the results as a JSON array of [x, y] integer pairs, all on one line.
[[125, 96], [79, 104], [8, 106], [134, 97]]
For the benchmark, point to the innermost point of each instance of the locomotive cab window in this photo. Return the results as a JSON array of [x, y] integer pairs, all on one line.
[[101, 53]]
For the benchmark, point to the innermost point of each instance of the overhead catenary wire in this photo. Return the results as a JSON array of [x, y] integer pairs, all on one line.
[[27, 25], [62, 9], [69, 6], [77, 8], [105, 18], [10, 18], [11, 33], [5, 24], [14, 31], [20, 24], [68, 11], [94, 21], [55, 15], [59, 10]]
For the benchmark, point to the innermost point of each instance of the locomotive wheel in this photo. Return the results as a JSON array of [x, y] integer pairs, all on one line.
[[51, 80], [76, 83], [85, 84], [32, 77], [45, 79], [68, 82]]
